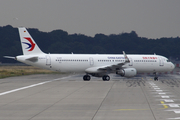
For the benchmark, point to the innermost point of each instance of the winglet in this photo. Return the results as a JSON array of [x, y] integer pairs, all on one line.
[[125, 57]]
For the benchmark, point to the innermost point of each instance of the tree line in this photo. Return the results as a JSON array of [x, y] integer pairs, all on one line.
[[59, 41]]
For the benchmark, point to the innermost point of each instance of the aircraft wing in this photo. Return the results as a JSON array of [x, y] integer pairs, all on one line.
[[106, 68], [111, 67]]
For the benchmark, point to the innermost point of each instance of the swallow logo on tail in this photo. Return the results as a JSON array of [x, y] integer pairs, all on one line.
[[31, 45]]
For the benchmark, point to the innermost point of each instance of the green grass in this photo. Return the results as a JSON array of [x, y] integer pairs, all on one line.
[[10, 71]]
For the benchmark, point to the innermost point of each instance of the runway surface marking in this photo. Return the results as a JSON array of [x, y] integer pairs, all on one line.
[[168, 100], [156, 88], [165, 97], [177, 111], [30, 86], [173, 105], [165, 106], [165, 101], [178, 118], [159, 90], [129, 109]]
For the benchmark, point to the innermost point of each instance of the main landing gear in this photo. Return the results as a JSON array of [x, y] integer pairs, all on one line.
[[86, 78], [104, 78]]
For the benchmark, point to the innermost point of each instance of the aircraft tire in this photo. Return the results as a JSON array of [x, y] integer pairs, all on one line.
[[155, 78], [106, 78], [86, 78]]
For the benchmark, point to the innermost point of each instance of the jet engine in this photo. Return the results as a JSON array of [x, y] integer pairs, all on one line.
[[127, 72]]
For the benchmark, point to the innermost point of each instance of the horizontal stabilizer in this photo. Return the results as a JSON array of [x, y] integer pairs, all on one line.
[[10, 57], [33, 59]]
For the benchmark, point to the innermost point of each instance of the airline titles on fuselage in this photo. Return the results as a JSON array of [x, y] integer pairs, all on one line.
[[115, 57], [149, 57]]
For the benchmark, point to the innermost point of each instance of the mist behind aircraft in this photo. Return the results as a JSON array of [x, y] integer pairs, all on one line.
[[151, 19]]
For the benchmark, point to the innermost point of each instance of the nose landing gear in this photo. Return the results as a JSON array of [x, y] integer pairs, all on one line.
[[155, 77]]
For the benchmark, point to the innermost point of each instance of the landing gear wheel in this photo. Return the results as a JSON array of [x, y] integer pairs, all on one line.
[[86, 78], [155, 78], [106, 78]]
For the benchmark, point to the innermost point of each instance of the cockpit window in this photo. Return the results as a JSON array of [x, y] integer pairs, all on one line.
[[168, 60]]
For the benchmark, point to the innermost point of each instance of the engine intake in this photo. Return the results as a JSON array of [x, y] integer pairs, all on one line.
[[127, 72]]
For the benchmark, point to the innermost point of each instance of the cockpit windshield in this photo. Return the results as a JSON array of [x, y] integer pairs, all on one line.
[[168, 60]]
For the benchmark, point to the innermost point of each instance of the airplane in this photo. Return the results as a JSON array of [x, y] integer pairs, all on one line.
[[98, 65]]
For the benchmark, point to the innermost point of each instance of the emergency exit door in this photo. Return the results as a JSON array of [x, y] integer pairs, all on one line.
[[48, 60], [91, 61]]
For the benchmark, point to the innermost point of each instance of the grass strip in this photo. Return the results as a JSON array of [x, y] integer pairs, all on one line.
[[10, 71]]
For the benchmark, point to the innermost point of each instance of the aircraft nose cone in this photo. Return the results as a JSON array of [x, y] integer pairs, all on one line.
[[172, 66]]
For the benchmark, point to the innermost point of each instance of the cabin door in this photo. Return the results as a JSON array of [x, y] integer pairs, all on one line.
[[48, 60], [91, 61], [161, 62], [131, 62]]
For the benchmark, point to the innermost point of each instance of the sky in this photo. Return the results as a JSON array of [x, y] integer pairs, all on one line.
[[149, 18]]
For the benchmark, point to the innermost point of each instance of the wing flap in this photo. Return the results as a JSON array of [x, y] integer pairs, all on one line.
[[105, 68]]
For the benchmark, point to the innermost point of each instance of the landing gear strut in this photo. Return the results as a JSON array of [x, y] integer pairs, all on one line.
[[86, 78], [155, 78], [106, 78]]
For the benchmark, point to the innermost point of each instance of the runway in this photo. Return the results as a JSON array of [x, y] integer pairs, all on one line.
[[68, 97]]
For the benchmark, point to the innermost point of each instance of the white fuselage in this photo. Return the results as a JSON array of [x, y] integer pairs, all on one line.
[[81, 62], [98, 65]]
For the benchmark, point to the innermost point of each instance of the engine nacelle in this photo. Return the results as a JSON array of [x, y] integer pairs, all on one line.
[[127, 72]]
